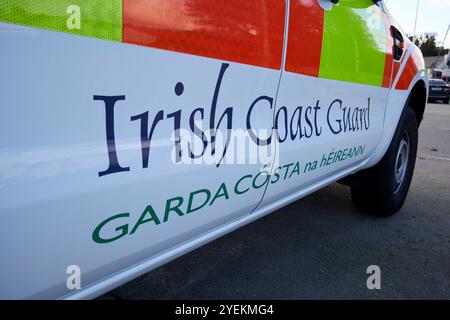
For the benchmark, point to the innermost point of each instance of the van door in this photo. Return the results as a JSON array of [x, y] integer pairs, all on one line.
[[332, 97], [96, 103]]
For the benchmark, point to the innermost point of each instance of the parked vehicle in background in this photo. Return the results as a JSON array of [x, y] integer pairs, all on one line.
[[439, 90], [437, 74], [443, 74], [96, 178]]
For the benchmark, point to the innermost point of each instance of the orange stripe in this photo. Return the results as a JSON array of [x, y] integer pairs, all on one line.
[[304, 50], [249, 32], [409, 72]]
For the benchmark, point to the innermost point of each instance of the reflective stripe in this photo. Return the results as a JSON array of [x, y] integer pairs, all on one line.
[[354, 43], [348, 43], [412, 66], [249, 32], [304, 47], [99, 18], [351, 42]]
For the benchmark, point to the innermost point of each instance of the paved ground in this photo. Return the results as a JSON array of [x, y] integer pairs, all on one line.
[[320, 246]]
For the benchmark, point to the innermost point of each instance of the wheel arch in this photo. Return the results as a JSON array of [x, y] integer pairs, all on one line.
[[418, 99]]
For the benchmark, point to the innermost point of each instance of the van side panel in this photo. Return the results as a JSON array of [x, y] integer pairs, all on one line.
[[91, 134]]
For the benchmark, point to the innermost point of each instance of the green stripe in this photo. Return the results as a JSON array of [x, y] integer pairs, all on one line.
[[98, 18], [354, 43]]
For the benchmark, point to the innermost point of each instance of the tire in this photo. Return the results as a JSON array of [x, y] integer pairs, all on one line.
[[446, 101], [382, 190]]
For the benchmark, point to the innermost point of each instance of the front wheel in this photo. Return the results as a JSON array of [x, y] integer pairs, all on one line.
[[383, 189]]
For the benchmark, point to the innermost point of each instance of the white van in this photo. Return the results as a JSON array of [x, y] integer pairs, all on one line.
[[134, 131]]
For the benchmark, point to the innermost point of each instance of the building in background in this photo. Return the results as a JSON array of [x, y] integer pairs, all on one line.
[[441, 67]]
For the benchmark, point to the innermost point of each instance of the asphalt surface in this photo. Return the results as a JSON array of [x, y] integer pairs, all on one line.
[[320, 247]]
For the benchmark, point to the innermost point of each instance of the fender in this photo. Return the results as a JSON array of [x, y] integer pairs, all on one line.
[[398, 100]]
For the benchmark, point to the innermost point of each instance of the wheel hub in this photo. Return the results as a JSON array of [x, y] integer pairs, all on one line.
[[401, 162]]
